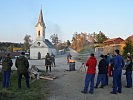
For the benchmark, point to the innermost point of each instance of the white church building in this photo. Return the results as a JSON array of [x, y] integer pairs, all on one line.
[[41, 46]]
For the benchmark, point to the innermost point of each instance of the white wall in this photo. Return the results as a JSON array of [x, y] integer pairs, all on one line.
[[43, 51]]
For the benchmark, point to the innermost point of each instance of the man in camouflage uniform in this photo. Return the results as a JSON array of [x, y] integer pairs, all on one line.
[[6, 68], [22, 65], [48, 62]]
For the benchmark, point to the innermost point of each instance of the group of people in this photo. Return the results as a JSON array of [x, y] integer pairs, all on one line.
[[22, 65], [49, 61], [105, 65]]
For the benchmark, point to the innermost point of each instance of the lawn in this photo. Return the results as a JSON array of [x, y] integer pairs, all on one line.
[[13, 93]]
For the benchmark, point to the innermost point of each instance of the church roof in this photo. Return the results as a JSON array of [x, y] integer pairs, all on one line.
[[48, 43], [40, 20]]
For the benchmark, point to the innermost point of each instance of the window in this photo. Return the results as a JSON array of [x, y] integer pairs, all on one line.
[[39, 33], [38, 43]]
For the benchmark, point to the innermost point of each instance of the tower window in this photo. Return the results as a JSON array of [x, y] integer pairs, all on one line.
[[39, 33]]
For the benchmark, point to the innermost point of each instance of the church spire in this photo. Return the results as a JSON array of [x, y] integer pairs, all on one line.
[[40, 20]]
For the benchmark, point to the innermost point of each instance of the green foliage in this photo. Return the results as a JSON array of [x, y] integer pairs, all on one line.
[[128, 48], [101, 37], [7, 46], [13, 93]]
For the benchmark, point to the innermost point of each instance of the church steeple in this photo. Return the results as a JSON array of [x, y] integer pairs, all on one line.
[[40, 20], [40, 28]]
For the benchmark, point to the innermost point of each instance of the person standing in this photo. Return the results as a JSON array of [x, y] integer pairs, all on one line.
[[102, 72], [48, 62], [90, 75], [68, 57], [117, 72], [128, 68], [53, 59], [22, 66], [6, 68]]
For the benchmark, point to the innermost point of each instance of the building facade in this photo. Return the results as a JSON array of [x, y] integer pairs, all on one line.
[[41, 46]]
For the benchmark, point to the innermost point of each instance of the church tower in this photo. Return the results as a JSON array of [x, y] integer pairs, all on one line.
[[41, 46], [40, 28]]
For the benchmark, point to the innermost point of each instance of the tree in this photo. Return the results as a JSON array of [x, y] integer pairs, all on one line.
[[79, 41], [55, 39], [68, 43], [27, 42], [100, 38], [128, 48]]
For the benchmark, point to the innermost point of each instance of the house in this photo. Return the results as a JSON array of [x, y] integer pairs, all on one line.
[[111, 44]]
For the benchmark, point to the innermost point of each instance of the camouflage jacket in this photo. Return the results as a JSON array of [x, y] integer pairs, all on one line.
[[7, 64], [22, 64]]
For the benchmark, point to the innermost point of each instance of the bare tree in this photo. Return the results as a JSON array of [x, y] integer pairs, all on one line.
[[27, 42], [55, 39]]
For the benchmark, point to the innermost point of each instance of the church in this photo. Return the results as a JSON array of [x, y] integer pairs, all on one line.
[[41, 46]]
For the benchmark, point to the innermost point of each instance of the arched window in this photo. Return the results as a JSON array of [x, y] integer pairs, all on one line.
[[39, 33], [38, 43]]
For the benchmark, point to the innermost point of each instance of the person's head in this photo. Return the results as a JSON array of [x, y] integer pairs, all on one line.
[[92, 55], [22, 53], [105, 56], [47, 53], [102, 56], [117, 52], [128, 54]]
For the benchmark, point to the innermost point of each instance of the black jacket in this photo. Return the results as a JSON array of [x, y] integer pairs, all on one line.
[[102, 66], [128, 65]]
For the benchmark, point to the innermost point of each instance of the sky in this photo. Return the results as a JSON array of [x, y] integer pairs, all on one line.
[[65, 17]]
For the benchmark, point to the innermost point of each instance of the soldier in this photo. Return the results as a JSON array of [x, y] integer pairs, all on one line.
[[53, 59], [22, 66], [6, 68], [48, 62]]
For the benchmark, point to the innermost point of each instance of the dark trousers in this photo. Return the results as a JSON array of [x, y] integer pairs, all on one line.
[[129, 78], [6, 79], [48, 66], [89, 79], [117, 85], [26, 75], [101, 78], [106, 79], [53, 63]]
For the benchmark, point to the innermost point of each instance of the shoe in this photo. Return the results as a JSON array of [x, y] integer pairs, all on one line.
[[119, 91], [101, 86], [113, 92], [83, 92], [127, 86], [90, 92]]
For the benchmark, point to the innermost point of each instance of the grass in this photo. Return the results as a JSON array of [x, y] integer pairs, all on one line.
[[13, 93]]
